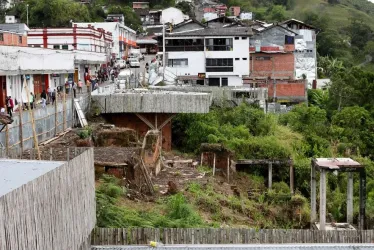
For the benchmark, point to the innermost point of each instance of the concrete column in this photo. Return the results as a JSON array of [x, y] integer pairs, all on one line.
[[322, 202], [270, 175], [350, 198], [313, 198]]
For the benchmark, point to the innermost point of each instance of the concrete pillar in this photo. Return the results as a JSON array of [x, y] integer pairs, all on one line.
[[313, 198], [322, 202], [270, 175], [350, 198]]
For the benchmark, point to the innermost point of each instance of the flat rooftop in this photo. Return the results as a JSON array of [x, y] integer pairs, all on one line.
[[111, 100], [15, 173], [336, 163]]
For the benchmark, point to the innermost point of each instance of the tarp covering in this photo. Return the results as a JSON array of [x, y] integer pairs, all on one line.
[[24, 60]]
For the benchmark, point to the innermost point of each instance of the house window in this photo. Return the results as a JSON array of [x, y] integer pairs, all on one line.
[[236, 38], [56, 46], [1, 37], [219, 65], [245, 59], [263, 58], [219, 44], [225, 81], [20, 39], [244, 38], [289, 40], [37, 46], [184, 45], [237, 59], [65, 47], [177, 63], [214, 82]]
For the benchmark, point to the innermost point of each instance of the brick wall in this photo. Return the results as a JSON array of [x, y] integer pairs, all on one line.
[[287, 89], [13, 39], [133, 122], [284, 65]]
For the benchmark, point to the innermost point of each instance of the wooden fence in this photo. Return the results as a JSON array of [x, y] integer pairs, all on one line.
[[141, 236]]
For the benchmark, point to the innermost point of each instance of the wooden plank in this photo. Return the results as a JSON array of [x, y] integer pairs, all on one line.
[[81, 117]]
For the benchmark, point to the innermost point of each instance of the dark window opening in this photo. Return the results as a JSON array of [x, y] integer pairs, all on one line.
[[65, 47], [237, 59], [56, 46], [244, 38], [219, 65], [1, 37], [263, 58], [200, 82], [289, 40], [219, 44], [20, 39], [214, 82], [225, 82], [184, 45], [236, 38], [245, 59]]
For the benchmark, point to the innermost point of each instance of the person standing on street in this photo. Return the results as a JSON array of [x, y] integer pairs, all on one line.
[[49, 95], [10, 105], [54, 96], [80, 85], [31, 100], [43, 95], [75, 89]]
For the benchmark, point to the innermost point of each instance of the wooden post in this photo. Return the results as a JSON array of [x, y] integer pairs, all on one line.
[[31, 112], [292, 178], [270, 175], [50, 153], [228, 169], [68, 154], [350, 198], [313, 197], [72, 107], [64, 108], [7, 140], [214, 164], [322, 203], [20, 107], [56, 113], [201, 159]]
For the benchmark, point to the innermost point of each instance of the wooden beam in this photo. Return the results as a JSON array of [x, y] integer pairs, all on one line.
[[166, 121], [264, 161], [146, 121]]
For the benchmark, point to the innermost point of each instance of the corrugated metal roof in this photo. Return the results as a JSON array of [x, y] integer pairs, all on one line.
[[15, 173], [336, 163], [14, 27], [241, 247]]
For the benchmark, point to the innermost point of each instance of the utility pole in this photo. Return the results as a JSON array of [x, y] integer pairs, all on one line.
[[164, 52], [27, 15]]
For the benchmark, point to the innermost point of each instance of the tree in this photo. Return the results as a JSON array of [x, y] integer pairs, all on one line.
[[132, 20], [276, 13], [186, 8]]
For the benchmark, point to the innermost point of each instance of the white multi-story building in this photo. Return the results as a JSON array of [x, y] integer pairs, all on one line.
[[209, 56], [124, 38], [92, 48]]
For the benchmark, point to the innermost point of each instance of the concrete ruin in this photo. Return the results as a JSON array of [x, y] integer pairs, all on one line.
[[145, 109], [336, 165]]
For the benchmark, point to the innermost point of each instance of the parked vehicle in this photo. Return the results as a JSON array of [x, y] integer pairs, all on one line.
[[134, 63]]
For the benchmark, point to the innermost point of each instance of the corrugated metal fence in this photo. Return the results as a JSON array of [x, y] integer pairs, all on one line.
[[141, 236], [49, 121]]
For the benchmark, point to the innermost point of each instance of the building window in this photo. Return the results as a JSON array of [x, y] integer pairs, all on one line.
[[219, 65], [245, 59], [20, 39], [263, 58], [65, 47], [214, 82], [236, 38], [37, 46], [237, 59], [1, 37], [219, 44], [225, 81], [289, 40], [56, 46], [184, 45], [177, 63], [244, 38]]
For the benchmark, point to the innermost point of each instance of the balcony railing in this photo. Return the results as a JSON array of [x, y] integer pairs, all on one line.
[[219, 47], [184, 48]]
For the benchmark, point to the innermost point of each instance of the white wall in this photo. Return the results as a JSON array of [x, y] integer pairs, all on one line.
[[209, 16], [196, 64], [240, 50]]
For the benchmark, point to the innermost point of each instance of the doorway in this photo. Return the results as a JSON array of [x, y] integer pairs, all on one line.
[[3, 93]]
